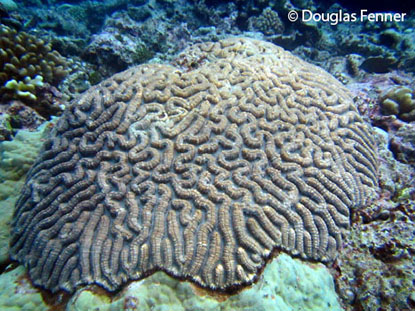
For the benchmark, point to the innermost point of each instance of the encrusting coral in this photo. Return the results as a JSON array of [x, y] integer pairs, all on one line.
[[202, 172], [26, 62], [16, 158]]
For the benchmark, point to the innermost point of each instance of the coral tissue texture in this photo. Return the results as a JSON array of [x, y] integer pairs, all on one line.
[[201, 173]]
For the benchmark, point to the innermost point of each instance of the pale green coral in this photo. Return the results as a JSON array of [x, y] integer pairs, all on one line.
[[287, 285], [16, 293], [16, 158], [6, 210]]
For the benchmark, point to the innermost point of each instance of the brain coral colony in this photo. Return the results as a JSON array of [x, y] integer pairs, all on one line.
[[27, 63], [201, 172]]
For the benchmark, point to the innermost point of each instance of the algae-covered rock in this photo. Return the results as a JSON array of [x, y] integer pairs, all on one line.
[[6, 129], [379, 64], [287, 285], [402, 144]]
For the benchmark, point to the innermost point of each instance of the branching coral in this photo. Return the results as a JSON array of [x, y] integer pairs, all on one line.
[[25, 63]]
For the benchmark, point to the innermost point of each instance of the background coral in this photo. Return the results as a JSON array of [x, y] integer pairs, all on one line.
[[268, 22], [399, 101], [26, 59]]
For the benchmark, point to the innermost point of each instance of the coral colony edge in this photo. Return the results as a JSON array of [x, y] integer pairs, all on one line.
[[202, 170]]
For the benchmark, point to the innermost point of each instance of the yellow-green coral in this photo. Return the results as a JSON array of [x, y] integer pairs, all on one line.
[[399, 101], [25, 88], [22, 58]]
